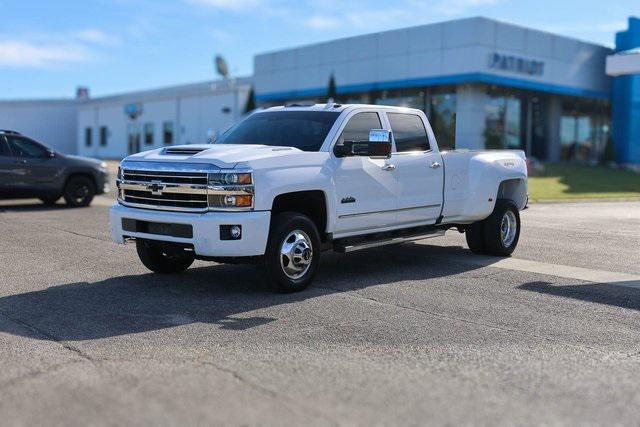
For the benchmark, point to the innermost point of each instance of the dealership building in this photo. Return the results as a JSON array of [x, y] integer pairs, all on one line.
[[482, 83]]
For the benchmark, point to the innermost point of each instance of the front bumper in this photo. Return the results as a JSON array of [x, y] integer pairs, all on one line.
[[206, 230]]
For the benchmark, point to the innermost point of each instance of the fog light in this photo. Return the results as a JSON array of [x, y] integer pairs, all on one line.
[[230, 232], [236, 232]]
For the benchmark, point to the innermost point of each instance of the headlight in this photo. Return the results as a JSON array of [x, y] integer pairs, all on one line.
[[230, 190], [223, 178]]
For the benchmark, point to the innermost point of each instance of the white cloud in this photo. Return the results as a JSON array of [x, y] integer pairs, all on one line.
[[234, 5], [25, 54], [95, 36], [320, 22]]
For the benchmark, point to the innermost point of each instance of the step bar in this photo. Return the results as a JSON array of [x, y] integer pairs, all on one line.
[[368, 244]]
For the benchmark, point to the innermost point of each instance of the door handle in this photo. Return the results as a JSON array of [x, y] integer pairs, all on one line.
[[389, 167], [21, 162], [435, 165]]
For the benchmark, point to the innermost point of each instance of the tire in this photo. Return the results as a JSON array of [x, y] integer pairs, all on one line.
[[295, 271], [163, 257], [475, 237], [502, 228], [79, 191], [49, 200]]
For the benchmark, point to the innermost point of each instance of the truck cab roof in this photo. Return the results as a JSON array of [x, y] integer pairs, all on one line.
[[335, 107]]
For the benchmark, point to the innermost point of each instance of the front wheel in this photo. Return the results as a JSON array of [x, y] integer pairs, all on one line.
[[162, 257], [293, 252], [79, 191]]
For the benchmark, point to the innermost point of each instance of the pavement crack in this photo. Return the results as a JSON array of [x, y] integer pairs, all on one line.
[[272, 393], [49, 337]]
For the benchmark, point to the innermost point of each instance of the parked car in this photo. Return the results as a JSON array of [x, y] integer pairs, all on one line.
[[287, 183], [30, 169]]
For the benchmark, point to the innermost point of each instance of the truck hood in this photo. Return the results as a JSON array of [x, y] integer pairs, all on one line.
[[221, 155]]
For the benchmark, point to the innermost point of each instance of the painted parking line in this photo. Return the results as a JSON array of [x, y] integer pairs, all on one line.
[[557, 270]]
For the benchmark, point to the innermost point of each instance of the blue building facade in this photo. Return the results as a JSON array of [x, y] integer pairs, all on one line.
[[626, 101]]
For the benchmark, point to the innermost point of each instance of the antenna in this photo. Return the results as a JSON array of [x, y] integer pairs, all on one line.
[[221, 67]]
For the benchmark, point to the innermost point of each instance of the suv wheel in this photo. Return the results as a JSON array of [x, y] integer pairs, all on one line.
[[163, 257], [293, 252], [79, 191]]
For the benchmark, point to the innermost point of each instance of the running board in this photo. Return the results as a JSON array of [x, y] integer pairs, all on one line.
[[368, 244]]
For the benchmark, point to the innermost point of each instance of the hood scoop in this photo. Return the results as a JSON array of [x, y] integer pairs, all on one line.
[[183, 151]]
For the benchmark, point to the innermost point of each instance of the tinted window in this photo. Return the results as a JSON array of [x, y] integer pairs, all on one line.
[[359, 126], [4, 148], [409, 132], [23, 148], [88, 137], [167, 132], [103, 135], [305, 130], [148, 133]]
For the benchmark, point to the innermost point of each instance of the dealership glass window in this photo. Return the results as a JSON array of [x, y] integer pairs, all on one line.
[[442, 116], [88, 137], [503, 124], [584, 130], [409, 132], [103, 135], [411, 98], [148, 133], [167, 133]]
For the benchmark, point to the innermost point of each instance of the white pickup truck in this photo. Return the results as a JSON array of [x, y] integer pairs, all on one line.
[[288, 183]]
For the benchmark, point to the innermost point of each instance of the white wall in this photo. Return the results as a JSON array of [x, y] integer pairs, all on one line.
[[52, 123], [196, 115]]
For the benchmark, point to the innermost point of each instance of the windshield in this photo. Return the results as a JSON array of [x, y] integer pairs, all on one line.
[[305, 130]]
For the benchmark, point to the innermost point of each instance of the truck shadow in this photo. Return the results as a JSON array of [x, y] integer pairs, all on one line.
[[624, 294], [217, 294]]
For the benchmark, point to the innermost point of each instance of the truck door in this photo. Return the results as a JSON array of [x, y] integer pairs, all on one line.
[[365, 187], [419, 170]]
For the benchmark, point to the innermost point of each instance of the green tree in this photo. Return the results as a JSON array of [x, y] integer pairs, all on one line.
[[251, 101], [332, 93]]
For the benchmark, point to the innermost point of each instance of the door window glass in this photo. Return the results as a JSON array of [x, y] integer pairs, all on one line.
[[23, 148], [4, 148], [409, 132], [358, 128]]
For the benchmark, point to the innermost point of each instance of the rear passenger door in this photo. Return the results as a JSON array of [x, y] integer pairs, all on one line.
[[418, 169]]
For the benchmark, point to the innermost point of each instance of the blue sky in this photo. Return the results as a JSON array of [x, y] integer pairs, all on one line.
[[48, 47]]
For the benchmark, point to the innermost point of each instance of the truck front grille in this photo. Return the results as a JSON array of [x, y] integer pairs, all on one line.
[[165, 177], [164, 190]]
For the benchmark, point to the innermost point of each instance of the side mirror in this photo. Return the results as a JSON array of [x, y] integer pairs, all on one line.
[[378, 145]]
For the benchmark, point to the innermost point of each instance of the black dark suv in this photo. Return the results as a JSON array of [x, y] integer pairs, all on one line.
[[29, 169]]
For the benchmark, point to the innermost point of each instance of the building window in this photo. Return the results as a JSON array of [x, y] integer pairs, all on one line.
[[148, 133], [88, 137], [584, 130], [410, 98], [167, 133], [503, 127], [408, 132], [103, 135], [442, 116]]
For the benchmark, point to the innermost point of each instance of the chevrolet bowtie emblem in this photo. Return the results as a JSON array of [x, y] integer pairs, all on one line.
[[156, 189]]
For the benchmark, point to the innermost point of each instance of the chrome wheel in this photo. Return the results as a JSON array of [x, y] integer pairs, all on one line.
[[508, 228], [296, 253], [80, 193]]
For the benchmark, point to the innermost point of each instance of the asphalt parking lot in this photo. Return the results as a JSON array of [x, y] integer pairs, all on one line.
[[423, 333]]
